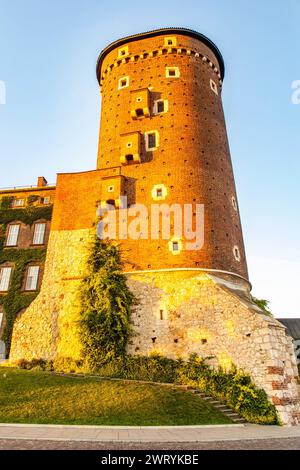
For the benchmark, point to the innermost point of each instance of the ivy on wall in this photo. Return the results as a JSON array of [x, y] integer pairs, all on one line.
[[15, 299]]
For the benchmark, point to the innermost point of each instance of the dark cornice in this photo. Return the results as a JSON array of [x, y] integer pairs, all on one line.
[[161, 32]]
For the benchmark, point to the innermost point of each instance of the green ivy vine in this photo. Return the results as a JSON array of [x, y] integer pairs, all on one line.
[[15, 299]]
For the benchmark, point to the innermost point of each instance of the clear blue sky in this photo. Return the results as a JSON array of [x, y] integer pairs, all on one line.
[[50, 123]]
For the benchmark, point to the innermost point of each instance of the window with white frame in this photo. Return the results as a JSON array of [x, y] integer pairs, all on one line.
[[234, 203], [123, 52], [236, 253], [39, 233], [46, 200], [172, 72], [170, 41], [160, 106], [32, 277], [151, 140], [12, 235], [159, 192], [19, 202], [214, 87], [5, 273], [123, 82], [175, 246]]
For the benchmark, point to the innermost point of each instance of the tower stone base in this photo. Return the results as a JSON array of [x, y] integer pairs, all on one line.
[[181, 312], [178, 312]]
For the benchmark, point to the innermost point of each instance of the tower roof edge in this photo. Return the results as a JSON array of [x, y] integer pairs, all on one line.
[[160, 32]]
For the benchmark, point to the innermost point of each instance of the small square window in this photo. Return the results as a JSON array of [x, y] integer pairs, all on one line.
[[172, 72], [170, 41], [129, 158], [123, 52], [159, 192], [139, 112], [123, 82]]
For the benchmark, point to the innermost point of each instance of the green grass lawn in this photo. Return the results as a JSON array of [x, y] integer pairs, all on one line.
[[39, 397]]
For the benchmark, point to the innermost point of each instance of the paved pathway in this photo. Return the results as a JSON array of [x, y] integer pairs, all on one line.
[[145, 434], [291, 443]]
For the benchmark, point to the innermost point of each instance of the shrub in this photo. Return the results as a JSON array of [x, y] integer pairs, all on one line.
[[35, 364], [105, 306]]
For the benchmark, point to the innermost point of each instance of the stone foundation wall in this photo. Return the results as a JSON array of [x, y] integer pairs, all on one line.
[[48, 327], [178, 312], [181, 312]]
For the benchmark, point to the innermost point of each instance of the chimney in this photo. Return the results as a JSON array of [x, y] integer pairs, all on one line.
[[41, 182]]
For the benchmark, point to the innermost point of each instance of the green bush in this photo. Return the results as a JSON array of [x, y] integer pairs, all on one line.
[[68, 365], [152, 368], [234, 388], [35, 364], [105, 306]]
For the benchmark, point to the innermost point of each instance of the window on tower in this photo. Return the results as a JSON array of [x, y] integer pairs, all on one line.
[[170, 41], [123, 52], [159, 192], [151, 140], [160, 106], [236, 253], [214, 87], [139, 112], [172, 72], [123, 82], [175, 246]]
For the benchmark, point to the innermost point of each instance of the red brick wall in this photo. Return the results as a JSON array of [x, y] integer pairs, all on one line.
[[193, 158]]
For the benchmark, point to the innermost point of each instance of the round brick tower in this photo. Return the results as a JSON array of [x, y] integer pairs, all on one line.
[[163, 139]]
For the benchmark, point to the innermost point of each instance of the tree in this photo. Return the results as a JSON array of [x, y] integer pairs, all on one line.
[[105, 306]]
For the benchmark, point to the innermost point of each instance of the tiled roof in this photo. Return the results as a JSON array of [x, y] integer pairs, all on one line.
[[292, 325]]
